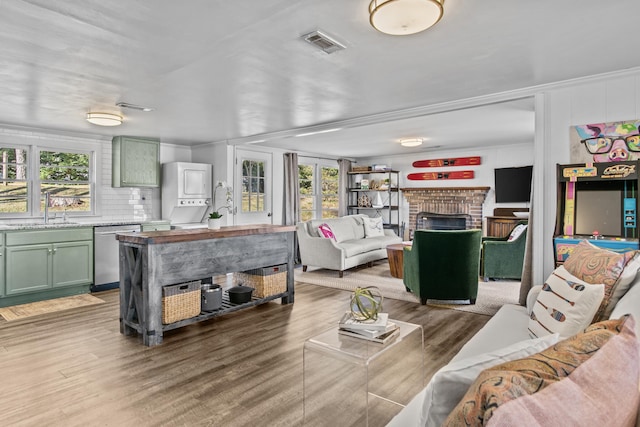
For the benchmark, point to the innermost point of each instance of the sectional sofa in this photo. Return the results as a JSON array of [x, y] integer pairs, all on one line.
[[343, 243], [602, 387]]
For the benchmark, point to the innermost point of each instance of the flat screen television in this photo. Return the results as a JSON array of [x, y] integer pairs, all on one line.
[[598, 207], [513, 184]]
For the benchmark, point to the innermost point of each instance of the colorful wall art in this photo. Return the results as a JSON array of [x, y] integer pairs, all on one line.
[[605, 142]]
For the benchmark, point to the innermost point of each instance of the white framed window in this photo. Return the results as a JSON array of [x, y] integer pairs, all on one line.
[[318, 183], [15, 181], [66, 177], [27, 173]]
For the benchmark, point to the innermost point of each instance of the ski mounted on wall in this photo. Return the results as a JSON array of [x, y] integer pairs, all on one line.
[[430, 176], [453, 161]]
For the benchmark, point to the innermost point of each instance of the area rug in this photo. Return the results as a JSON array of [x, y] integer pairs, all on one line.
[[491, 295], [22, 311]]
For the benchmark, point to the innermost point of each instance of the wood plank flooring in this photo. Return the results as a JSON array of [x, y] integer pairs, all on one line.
[[74, 368]]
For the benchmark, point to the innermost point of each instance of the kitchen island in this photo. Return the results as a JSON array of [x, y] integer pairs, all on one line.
[[151, 260]]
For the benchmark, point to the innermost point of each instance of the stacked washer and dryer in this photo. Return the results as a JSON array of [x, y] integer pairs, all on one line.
[[186, 194]]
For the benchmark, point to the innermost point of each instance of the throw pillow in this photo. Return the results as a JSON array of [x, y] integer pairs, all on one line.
[[449, 384], [325, 231], [565, 305], [596, 265], [532, 296], [373, 227], [516, 232], [575, 373]]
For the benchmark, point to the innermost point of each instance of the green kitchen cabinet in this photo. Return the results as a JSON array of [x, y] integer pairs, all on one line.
[[43, 264], [136, 162], [28, 268]]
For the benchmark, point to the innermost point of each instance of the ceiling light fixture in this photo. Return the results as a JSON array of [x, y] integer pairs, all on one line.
[[104, 119], [411, 142], [133, 106], [403, 17]]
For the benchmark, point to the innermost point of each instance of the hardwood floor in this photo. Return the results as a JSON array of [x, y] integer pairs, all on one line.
[[74, 368]]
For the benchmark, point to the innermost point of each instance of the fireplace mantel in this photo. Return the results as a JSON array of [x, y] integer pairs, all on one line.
[[407, 189], [446, 200]]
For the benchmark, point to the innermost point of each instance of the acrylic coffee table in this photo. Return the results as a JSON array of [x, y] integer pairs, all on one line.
[[354, 382]]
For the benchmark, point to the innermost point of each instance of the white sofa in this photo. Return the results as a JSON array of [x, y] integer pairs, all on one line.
[[504, 330], [352, 246]]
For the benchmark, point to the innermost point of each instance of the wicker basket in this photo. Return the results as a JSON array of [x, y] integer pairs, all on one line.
[[180, 301], [266, 281]]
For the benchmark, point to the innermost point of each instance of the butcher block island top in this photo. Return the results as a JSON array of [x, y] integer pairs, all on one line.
[[172, 236], [152, 260]]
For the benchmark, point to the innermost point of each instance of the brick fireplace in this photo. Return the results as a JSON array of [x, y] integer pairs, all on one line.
[[446, 200]]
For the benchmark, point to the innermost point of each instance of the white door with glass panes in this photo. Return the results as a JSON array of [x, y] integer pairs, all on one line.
[[252, 189]]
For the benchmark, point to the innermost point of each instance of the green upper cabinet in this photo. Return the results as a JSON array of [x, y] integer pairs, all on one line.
[[136, 162]]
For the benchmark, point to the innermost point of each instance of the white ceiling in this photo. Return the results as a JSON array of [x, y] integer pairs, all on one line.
[[237, 71]]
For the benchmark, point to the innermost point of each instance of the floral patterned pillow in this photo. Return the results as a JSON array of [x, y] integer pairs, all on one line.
[[544, 372], [596, 265]]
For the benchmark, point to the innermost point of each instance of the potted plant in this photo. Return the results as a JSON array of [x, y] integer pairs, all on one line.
[[214, 217]]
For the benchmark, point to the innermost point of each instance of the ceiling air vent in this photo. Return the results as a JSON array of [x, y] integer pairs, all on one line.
[[323, 42]]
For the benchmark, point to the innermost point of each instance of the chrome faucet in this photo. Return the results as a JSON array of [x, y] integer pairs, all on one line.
[[47, 199]]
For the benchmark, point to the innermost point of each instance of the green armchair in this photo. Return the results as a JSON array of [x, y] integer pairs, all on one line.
[[443, 264], [501, 258]]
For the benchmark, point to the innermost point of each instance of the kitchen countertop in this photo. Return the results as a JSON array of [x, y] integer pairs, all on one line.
[[187, 235], [39, 225]]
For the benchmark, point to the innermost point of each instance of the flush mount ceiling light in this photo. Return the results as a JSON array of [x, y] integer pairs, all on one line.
[[411, 142], [403, 17], [104, 119]]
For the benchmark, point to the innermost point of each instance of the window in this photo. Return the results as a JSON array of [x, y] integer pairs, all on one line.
[[318, 191], [66, 177], [14, 191], [28, 173], [252, 186]]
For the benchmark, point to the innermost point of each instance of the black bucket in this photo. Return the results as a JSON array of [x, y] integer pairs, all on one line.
[[211, 298]]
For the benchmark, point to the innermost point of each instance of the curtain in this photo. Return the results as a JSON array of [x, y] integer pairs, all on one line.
[[291, 199], [527, 274], [344, 166]]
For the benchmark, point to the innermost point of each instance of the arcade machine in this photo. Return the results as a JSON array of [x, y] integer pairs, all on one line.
[[597, 202]]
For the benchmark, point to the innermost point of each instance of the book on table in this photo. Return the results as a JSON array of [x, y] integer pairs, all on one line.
[[349, 322], [381, 338], [379, 330]]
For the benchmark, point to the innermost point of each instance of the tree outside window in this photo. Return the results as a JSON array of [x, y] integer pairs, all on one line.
[[318, 191], [66, 177], [14, 182], [252, 186]]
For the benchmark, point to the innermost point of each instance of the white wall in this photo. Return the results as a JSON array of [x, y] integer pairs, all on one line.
[[491, 158]]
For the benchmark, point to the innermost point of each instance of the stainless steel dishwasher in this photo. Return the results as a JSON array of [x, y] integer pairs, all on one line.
[[106, 268]]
